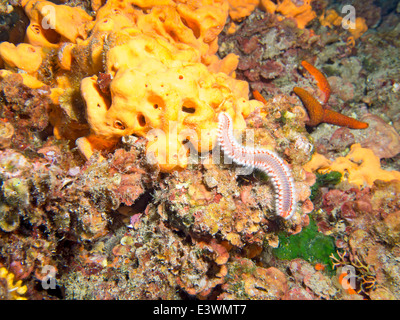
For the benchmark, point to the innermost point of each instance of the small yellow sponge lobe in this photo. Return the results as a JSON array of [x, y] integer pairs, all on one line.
[[23, 56], [360, 167]]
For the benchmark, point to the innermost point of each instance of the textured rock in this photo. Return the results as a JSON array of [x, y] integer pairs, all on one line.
[[380, 137]]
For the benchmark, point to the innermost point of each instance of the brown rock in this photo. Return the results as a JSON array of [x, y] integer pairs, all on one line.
[[380, 137]]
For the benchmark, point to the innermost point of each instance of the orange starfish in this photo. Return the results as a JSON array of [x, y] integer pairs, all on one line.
[[319, 115], [315, 110], [322, 83]]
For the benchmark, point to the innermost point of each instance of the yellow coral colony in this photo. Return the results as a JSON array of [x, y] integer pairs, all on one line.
[[240, 9], [15, 291], [331, 19], [50, 24], [301, 13], [165, 84], [360, 167]]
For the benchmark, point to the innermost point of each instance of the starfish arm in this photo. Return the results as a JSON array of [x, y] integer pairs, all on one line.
[[322, 82], [339, 119], [318, 114], [314, 108]]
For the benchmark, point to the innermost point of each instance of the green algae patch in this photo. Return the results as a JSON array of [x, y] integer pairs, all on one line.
[[310, 245], [324, 180]]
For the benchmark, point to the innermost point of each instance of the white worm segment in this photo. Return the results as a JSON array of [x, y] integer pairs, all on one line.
[[261, 159]]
